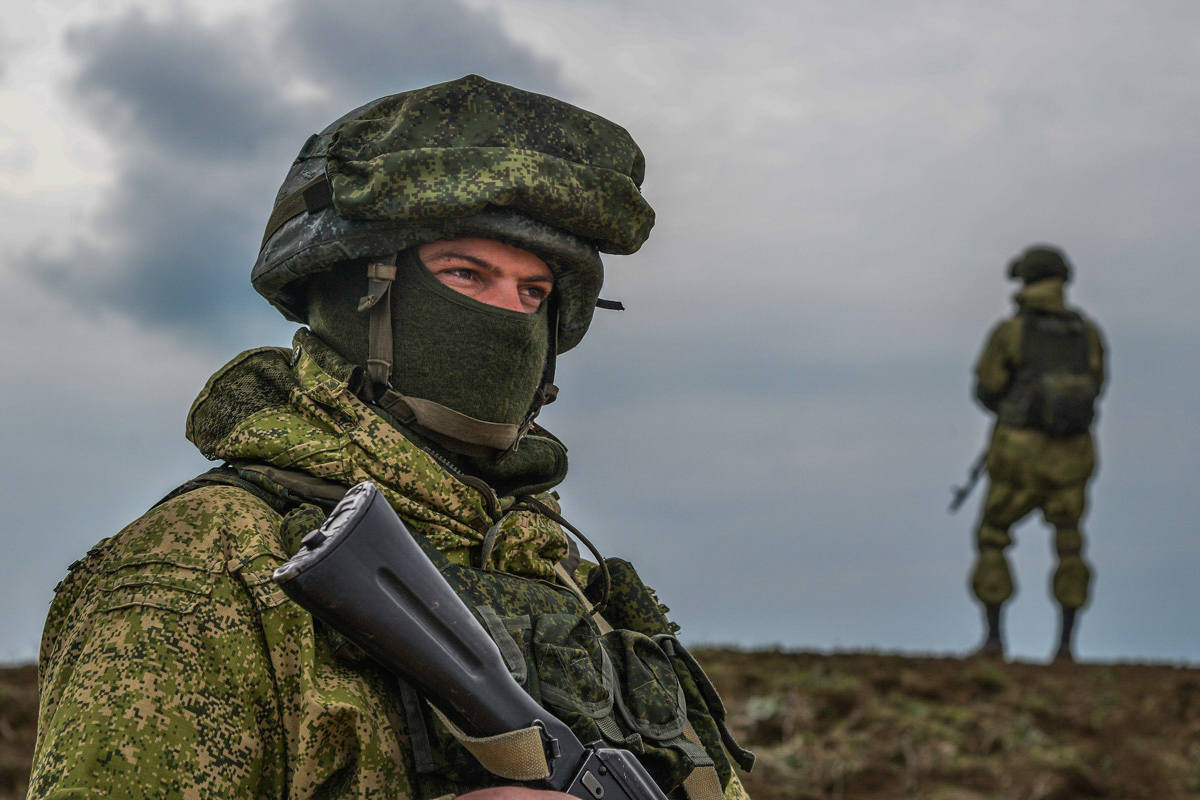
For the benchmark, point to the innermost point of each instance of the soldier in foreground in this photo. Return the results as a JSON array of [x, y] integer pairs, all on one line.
[[442, 246], [1041, 373]]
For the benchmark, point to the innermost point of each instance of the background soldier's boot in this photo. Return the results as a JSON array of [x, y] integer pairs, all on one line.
[[993, 643], [1064, 639]]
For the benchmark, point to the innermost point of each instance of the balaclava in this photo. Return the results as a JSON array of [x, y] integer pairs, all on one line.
[[451, 355]]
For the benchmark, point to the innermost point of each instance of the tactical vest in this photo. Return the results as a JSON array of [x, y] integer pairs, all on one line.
[[1054, 389], [628, 682]]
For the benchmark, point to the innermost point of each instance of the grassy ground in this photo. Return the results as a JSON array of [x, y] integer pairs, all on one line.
[[875, 726]]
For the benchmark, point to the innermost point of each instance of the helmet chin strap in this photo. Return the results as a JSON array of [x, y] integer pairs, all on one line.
[[453, 430], [381, 276]]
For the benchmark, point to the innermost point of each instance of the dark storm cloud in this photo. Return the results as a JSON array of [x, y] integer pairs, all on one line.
[[203, 133], [372, 48], [200, 134], [177, 86], [177, 255]]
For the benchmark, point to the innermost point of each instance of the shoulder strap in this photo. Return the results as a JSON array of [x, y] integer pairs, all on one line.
[[283, 490], [224, 475]]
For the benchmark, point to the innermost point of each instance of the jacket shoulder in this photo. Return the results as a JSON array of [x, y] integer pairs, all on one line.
[[179, 544], [1003, 341], [154, 644], [210, 520]]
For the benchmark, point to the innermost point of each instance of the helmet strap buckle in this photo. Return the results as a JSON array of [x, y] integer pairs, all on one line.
[[381, 275]]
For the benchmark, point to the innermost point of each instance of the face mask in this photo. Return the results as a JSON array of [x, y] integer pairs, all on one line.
[[479, 360]]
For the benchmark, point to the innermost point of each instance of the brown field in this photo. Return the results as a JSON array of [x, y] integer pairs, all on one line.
[[872, 726]]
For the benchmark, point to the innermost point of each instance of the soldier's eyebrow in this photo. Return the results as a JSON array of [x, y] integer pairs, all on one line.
[[454, 255]]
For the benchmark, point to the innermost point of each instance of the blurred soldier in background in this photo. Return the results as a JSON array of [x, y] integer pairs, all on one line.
[[1041, 373]]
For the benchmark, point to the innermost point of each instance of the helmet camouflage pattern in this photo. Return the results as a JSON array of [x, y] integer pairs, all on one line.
[[1038, 263], [465, 158]]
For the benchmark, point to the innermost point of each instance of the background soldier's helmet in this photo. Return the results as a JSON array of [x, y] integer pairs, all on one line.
[[1038, 263], [464, 158]]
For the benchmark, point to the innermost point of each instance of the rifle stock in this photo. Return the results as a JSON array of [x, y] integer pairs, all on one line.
[[363, 574]]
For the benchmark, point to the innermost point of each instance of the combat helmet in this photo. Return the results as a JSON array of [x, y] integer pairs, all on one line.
[[1040, 262], [465, 158]]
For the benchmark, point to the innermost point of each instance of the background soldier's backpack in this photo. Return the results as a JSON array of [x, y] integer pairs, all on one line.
[[1054, 390]]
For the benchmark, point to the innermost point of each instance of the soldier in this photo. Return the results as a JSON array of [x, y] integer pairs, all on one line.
[[443, 247], [1041, 373]]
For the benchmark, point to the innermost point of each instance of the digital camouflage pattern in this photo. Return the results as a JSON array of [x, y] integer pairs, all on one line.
[[1029, 470], [453, 149], [465, 158], [173, 666], [618, 685]]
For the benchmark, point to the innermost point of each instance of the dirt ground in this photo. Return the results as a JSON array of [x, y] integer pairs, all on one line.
[[872, 726], [18, 727]]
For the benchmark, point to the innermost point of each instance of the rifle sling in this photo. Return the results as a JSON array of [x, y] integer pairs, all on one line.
[[517, 755]]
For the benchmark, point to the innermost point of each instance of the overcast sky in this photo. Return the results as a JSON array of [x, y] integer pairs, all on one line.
[[770, 431]]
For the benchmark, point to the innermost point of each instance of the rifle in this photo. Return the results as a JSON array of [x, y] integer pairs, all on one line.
[[962, 492], [364, 574]]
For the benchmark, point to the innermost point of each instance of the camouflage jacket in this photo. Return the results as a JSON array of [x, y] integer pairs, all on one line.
[[172, 666]]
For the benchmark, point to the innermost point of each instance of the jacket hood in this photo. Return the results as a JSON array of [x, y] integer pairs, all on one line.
[[283, 408], [1047, 295]]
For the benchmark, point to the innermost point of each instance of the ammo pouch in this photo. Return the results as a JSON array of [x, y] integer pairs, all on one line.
[[631, 688], [1063, 404]]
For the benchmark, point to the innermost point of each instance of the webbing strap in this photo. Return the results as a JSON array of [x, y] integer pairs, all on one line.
[[378, 300], [570, 583], [448, 422], [312, 196], [612, 731], [693, 750], [300, 482], [702, 783], [517, 755]]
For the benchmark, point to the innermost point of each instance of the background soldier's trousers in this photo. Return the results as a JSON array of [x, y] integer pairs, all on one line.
[[1028, 471]]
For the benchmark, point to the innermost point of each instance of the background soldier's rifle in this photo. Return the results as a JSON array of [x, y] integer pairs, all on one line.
[[962, 492], [363, 574]]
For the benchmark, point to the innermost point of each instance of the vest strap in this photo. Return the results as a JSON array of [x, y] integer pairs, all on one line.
[[612, 731], [299, 482], [702, 783]]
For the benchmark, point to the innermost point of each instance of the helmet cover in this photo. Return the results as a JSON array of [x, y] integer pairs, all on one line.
[[1038, 263]]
